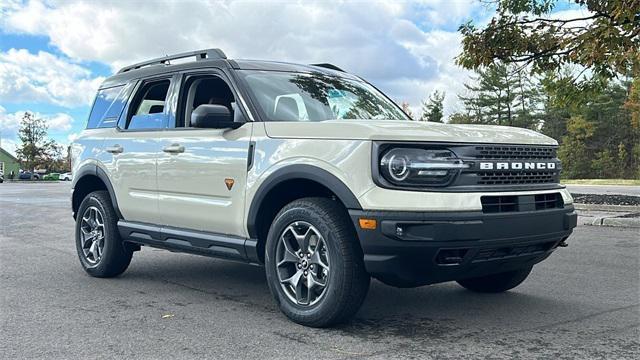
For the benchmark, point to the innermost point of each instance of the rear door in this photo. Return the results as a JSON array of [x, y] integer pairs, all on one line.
[[134, 148], [202, 173]]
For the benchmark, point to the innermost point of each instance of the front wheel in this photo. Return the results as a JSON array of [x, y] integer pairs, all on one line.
[[314, 263], [100, 248], [496, 283]]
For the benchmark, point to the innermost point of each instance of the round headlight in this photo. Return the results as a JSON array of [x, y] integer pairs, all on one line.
[[398, 167]]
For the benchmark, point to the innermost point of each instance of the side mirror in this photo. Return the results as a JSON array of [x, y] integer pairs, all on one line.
[[213, 117]]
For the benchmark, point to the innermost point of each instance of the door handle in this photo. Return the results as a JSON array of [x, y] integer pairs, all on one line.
[[115, 149], [173, 149]]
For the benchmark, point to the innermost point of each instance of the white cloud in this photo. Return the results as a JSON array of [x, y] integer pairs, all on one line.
[[9, 145], [58, 123], [44, 78], [72, 137], [377, 40]]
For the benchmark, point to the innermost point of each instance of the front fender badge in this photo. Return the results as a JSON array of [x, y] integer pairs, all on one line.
[[229, 182]]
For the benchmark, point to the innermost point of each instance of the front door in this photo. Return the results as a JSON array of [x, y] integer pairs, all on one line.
[[202, 173]]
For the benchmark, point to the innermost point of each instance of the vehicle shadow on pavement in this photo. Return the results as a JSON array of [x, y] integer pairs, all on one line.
[[428, 312], [440, 310]]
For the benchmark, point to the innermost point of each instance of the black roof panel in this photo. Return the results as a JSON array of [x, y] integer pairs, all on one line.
[[153, 70]]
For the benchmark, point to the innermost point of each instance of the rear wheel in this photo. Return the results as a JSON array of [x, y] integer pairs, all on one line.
[[496, 283], [314, 263], [100, 248]]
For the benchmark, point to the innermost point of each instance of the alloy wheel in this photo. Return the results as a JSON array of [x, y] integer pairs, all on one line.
[[302, 263], [92, 235]]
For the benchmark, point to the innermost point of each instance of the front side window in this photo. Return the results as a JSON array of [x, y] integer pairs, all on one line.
[[200, 90], [290, 96], [149, 106]]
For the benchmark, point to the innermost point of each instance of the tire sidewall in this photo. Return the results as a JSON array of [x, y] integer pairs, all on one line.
[[331, 296]]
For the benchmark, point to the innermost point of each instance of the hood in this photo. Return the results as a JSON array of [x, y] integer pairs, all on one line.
[[405, 131]]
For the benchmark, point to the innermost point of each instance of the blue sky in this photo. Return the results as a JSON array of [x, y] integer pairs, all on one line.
[[54, 54]]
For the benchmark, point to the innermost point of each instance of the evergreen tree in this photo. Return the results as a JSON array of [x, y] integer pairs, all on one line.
[[433, 108], [492, 96]]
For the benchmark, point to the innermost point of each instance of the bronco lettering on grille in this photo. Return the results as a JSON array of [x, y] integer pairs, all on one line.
[[517, 165]]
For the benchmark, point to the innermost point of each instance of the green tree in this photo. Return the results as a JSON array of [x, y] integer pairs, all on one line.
[[605, 40], [433, 107], [574, 154], [632, 104], [604, 165], [613, 135], [461, 118], [491, 96], [527, 102], [36, 149]]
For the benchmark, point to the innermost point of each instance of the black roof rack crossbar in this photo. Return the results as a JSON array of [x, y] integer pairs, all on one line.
[[199, 54], [328, 66]]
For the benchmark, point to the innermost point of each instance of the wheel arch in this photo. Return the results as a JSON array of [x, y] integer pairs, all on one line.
[[287, 184], [89, 178]]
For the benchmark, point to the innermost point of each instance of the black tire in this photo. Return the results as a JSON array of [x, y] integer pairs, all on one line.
[[496, 283], [347, 281], [115, 255]]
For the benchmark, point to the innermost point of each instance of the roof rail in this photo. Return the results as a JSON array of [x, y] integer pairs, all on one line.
[[328, 66], [199, 54]]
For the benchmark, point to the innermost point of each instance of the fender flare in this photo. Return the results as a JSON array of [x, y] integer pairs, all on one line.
[[302, 172], [95, 170]]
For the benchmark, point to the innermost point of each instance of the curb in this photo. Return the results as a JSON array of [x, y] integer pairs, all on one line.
[[617, 222], [606, 208], [607, 215]]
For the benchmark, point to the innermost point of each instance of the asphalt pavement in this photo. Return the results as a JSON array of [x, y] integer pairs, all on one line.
[[583, 302]]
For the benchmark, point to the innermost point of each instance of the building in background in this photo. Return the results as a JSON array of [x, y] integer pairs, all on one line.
[[8, 164]]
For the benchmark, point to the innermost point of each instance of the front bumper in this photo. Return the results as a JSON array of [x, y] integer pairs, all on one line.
[[421, 248]]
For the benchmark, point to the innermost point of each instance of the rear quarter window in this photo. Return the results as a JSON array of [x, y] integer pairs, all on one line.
[[108, 106]]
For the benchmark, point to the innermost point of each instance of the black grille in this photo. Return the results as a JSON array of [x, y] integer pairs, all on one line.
[[498, 204], [514, 152], [511, 251], [501, 204], [509, 166], [514, 178], [548, 201]]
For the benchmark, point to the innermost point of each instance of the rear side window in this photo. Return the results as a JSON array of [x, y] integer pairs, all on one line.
[[108, 106], [149, 106]]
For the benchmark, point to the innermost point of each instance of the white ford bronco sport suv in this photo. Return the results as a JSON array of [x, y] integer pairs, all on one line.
[[313, 173]]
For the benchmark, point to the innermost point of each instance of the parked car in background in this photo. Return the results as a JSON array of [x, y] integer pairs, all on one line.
[[66, 177], [51, 176], [27, 175]]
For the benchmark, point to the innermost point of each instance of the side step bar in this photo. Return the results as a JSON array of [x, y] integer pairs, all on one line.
[[190, 241]]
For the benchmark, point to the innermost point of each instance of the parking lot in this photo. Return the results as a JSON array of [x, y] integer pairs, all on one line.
[[583, 302]]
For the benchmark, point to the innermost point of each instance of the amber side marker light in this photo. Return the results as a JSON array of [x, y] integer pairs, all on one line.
[[368, 224]]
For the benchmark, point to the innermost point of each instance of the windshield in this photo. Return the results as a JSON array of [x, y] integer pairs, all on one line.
[[289, 96]]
